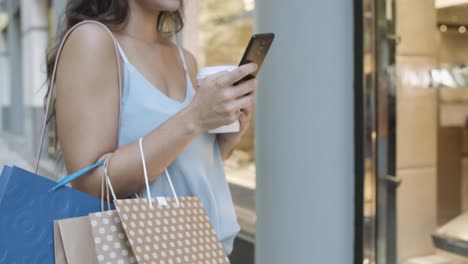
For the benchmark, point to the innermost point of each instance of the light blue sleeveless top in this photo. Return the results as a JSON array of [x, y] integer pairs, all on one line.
[[198, 170]]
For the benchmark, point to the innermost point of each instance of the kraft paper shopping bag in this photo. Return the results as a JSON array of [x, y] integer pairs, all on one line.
[[76, 240], [59, 250]]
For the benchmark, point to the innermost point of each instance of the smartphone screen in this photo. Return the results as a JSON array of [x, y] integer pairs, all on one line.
[[256, 52]]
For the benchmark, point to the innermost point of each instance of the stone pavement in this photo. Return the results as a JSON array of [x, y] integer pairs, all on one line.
[[10, 157]]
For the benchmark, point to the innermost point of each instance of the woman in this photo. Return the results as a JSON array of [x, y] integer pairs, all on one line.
[[158, 102]]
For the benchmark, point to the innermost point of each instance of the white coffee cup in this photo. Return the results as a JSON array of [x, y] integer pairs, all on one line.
[[205, 71]]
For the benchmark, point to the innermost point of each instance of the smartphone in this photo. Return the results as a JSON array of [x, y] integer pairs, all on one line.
[[256, 52]]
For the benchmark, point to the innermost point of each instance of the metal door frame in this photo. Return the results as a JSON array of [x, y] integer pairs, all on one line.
[[375, 126]]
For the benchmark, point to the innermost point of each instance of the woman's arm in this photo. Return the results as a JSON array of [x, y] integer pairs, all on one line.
[[88, 113]]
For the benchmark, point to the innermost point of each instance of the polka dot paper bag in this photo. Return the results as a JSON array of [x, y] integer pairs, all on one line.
[[111, 243], [170, 233], [159, 230]]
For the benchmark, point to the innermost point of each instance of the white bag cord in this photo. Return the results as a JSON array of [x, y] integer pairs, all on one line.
[[106, 175], [145, 173], [106, 186]]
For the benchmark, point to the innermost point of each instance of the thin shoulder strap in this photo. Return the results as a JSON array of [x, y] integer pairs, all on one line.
[[122, 53], [181, 52], [51, 88]]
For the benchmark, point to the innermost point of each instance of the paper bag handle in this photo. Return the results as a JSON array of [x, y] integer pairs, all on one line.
[[145, 173]]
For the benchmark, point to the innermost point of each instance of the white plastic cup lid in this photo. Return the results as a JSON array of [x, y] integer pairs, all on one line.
[[205, 71]]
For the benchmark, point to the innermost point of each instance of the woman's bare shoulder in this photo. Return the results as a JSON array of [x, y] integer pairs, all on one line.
[[88, 45], [88, 51], [87, 65], [91, 36]]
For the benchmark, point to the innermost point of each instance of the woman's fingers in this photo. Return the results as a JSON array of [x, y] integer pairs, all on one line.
[[242, 89], [229, 78], [249, 110], [244, 118], [243, 102], [246, 113]]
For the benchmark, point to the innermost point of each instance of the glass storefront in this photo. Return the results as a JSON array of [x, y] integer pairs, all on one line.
[[415, 120]]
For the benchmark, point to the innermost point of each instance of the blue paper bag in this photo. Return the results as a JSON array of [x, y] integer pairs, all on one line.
[[27, 212]]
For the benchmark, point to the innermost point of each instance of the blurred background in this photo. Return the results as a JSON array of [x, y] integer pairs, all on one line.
[[360, 150]]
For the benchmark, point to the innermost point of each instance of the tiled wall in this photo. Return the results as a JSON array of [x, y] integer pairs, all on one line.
[[416, 128]]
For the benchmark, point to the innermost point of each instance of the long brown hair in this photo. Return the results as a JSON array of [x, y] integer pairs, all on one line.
[[111, 13]]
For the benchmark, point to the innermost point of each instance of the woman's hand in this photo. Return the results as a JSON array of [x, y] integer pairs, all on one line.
[[227, 141], [217, 102]]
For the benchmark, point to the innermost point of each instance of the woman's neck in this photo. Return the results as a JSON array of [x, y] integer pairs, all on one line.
[[141, 24]]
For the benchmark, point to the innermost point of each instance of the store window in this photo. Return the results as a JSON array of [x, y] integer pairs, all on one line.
[[416, 122]]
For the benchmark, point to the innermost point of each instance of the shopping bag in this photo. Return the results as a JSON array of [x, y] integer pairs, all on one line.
[[73, 241], [59, 249], [169, 230], [101, 239], [27, 212], [111, 243]]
